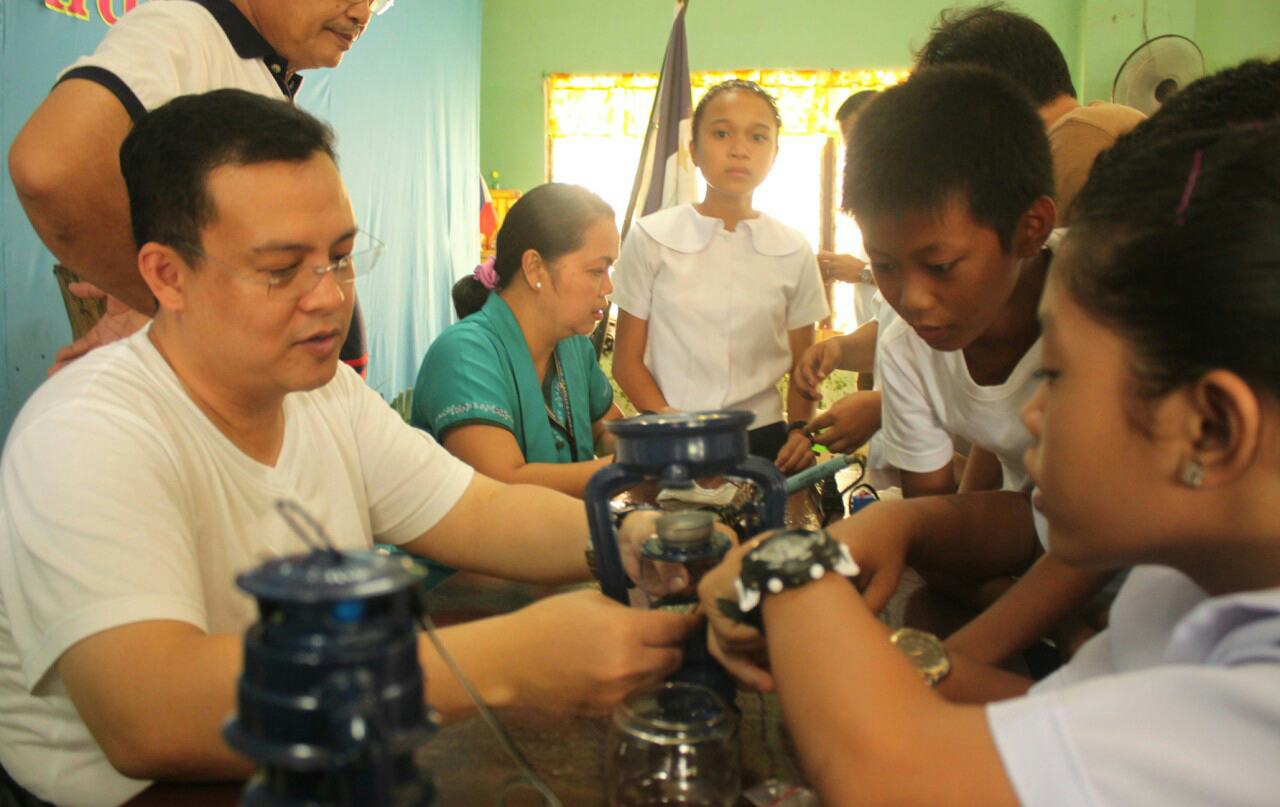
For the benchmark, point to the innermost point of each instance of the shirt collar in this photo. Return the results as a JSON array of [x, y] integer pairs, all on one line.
[[539, 439], [1230, 628], [250, 44], [684, 229], [502, 320]]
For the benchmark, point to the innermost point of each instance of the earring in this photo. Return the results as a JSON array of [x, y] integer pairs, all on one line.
[[538, 285], [1192, 474]]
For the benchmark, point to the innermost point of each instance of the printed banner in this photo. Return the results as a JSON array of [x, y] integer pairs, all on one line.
[[81, 9]]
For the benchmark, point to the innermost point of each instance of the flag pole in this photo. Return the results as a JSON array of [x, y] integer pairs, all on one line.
[[639, 182], [645, 165]]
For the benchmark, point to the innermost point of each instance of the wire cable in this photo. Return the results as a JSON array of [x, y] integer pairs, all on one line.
[[490, 719]]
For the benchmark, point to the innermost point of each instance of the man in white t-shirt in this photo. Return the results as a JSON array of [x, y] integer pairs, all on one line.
[[136, 484], [64, 158]]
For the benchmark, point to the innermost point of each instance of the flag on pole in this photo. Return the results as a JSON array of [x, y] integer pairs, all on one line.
[[665, 175], [488, 216]]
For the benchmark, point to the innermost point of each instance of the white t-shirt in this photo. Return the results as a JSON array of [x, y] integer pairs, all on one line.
[[120, 502], [1177, 702], [719, 304], [880, 473], [928, 395], [931, 407], [166, 48]]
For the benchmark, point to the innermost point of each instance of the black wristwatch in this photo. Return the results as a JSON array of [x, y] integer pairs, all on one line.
[[787, 560]]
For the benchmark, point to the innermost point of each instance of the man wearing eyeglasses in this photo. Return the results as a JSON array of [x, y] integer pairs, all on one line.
[[139, 481], [63, 161]]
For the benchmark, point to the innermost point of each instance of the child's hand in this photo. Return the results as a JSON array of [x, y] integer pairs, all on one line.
[[849, 423], [840, 267], [736, 645], [796, 454], [816, 363], [878, 539], [118, 322]]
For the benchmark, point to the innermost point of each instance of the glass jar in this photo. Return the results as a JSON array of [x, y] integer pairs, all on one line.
[[674, 744]]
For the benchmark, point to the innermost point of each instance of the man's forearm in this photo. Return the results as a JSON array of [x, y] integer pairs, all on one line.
[[93, 239], [65, 167], [476, 648], [520, 532]]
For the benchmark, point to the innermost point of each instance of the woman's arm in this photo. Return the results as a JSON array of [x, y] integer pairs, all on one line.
[[494, 452], [628, 364], [603, 438]]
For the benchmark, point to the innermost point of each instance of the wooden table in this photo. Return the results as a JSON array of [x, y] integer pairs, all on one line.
[[470, 769], [469, 766]]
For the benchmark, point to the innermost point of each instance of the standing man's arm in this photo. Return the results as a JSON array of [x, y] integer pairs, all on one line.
[[66, 169]]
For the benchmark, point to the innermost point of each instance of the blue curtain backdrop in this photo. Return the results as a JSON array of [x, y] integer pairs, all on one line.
[[405, 105]]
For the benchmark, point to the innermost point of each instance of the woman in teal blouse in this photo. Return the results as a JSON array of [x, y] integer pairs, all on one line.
[[514, 388]]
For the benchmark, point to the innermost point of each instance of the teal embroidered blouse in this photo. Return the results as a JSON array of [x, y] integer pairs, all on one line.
[[479, 370]]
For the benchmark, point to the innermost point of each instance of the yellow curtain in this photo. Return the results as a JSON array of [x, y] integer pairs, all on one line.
[[618, 104]]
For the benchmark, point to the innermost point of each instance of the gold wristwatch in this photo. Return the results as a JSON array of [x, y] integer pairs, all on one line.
[[925, 652]]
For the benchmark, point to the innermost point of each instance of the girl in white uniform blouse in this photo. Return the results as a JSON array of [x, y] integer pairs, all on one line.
[[717, 300], [1151, 446]]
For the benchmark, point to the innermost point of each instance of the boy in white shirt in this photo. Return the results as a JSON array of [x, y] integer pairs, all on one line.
[[956, 228]]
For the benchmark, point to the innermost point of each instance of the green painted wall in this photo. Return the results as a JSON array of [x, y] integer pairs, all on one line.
[[1229, 31], [525, 39]]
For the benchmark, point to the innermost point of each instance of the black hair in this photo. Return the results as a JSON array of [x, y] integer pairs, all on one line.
[[469, 296], [734, 84], [552, 219], [854, 103], [1180, 246], [996, 37], [950, 132], [1246, 93], [171, 151]]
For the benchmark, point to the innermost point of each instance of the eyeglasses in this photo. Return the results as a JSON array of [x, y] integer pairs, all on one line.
[[380, 6], [297, 280]]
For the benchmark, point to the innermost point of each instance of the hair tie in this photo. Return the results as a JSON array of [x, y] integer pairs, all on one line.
[[1192, 176], [487, 275]]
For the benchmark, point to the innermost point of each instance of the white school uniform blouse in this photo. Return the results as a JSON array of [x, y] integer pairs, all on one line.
[[1177, 702], [719, 305]]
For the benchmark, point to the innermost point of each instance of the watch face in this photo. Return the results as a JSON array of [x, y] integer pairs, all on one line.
[[795, 546], [921, 651], [925, 652]]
